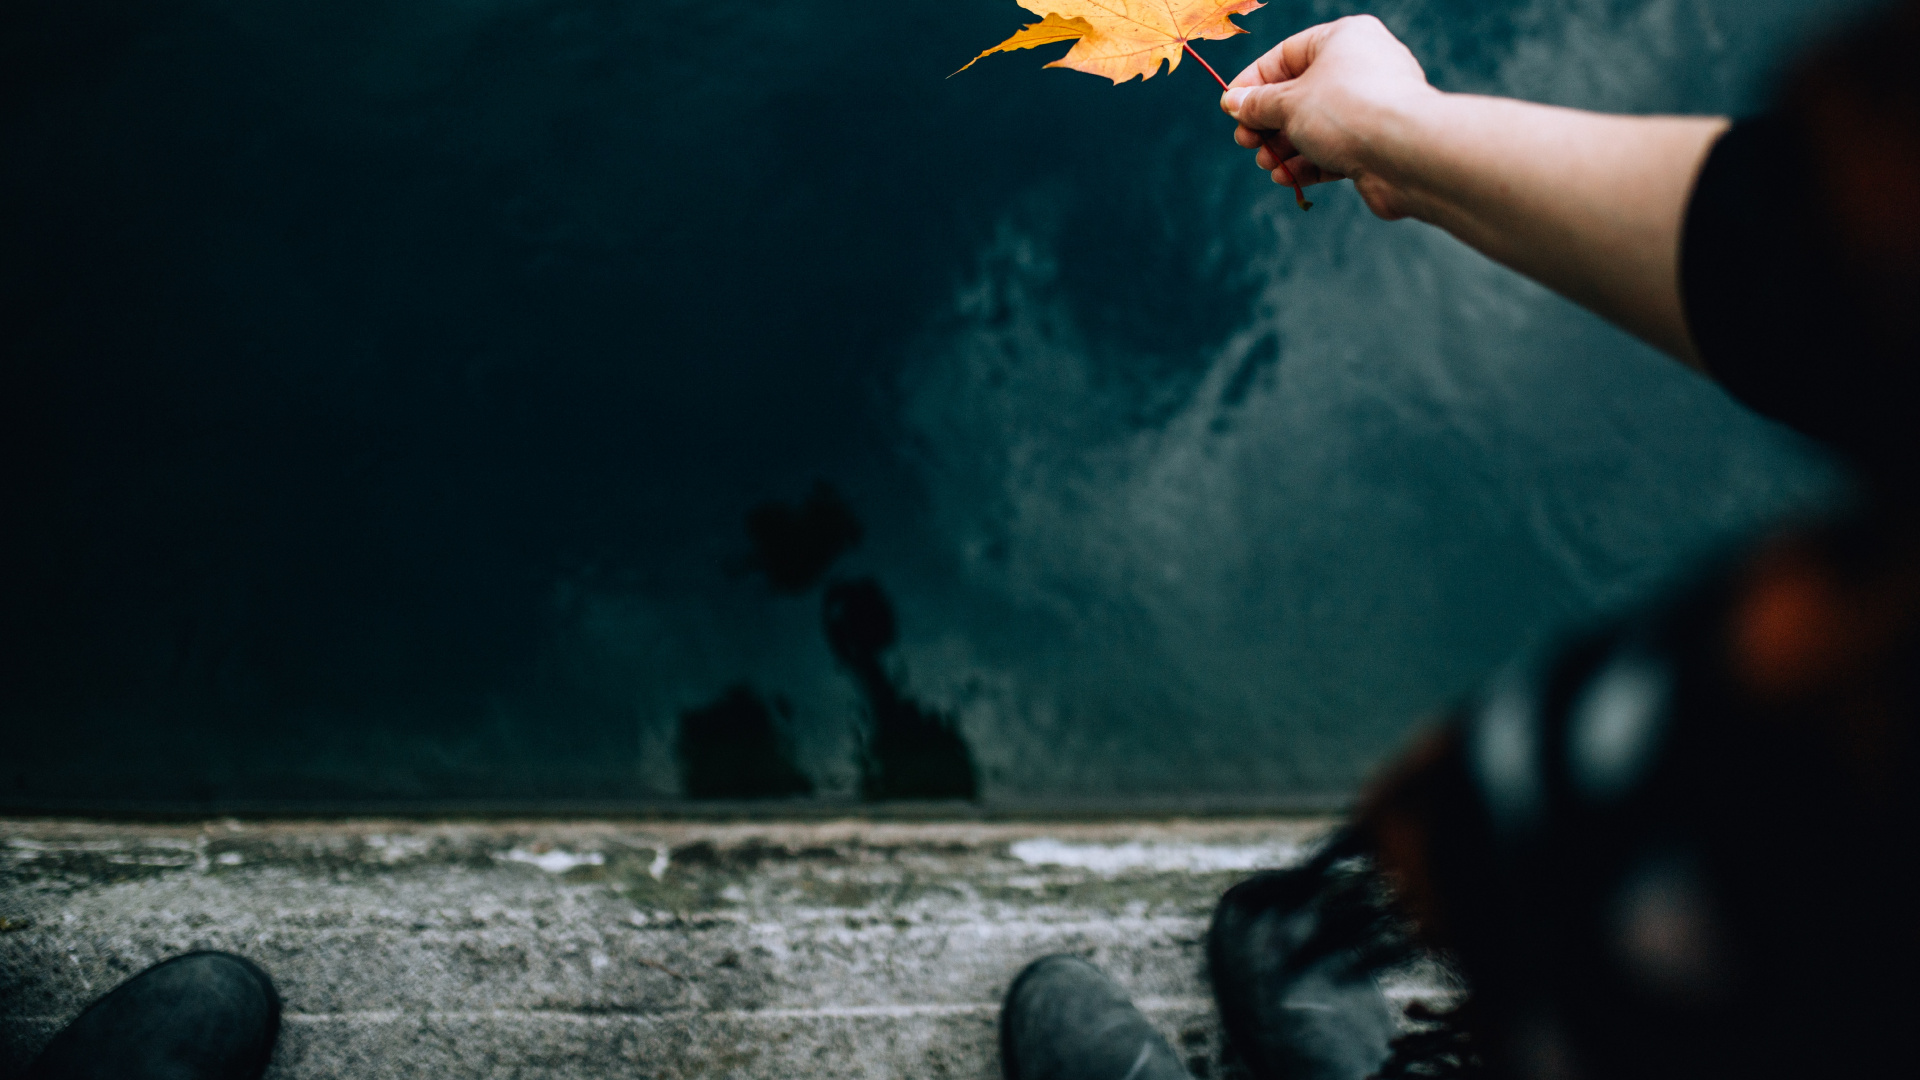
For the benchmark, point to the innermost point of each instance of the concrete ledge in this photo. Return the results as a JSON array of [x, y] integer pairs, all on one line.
[[598, 948]]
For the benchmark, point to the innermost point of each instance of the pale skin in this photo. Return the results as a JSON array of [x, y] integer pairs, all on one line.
[[1589, 205]]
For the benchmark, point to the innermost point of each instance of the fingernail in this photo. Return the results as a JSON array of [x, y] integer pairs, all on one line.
[[1231, 101]]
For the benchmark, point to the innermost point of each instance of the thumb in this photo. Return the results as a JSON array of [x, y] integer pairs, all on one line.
[[1258, 107]]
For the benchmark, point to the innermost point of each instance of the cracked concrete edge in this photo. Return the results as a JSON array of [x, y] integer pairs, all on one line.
[[726, 833]]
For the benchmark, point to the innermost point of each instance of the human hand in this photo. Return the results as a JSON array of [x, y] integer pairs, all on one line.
[[1322, 96]]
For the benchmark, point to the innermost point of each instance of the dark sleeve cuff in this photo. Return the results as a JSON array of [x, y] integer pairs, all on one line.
[[1775, 307]]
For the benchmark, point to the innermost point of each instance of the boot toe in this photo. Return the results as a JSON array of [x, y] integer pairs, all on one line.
[[1321, 1019], [201, 1016], [1065, 1020]]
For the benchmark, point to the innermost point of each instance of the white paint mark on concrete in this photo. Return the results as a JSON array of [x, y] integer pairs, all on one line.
[[24, 850], [1162, 858], [554, 861], [396, 849], [151, 860]]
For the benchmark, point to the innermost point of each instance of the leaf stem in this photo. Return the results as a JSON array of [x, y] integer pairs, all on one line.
[[1299, 194]]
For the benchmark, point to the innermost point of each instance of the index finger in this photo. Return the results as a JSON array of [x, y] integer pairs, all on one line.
[[1286, 61]]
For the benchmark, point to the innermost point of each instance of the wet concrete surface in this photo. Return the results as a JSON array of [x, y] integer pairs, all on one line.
[[599, 949]]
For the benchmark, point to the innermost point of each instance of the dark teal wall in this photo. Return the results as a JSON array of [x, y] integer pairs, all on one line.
[[387, 384]]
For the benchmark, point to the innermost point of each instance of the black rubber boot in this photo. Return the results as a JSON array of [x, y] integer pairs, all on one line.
[[1294, 982], [1065, 1020], [201, 1016]]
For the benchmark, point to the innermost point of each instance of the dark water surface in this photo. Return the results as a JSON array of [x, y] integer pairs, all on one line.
[[431, 398]]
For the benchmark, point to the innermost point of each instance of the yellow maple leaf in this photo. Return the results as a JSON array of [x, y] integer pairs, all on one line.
[[1123, 38]]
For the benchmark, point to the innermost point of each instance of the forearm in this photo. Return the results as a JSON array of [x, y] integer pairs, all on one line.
[[1592, 206], [1589, 205]]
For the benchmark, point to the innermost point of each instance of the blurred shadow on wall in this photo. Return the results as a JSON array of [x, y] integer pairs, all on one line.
[[910, 751], [732, 748]]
